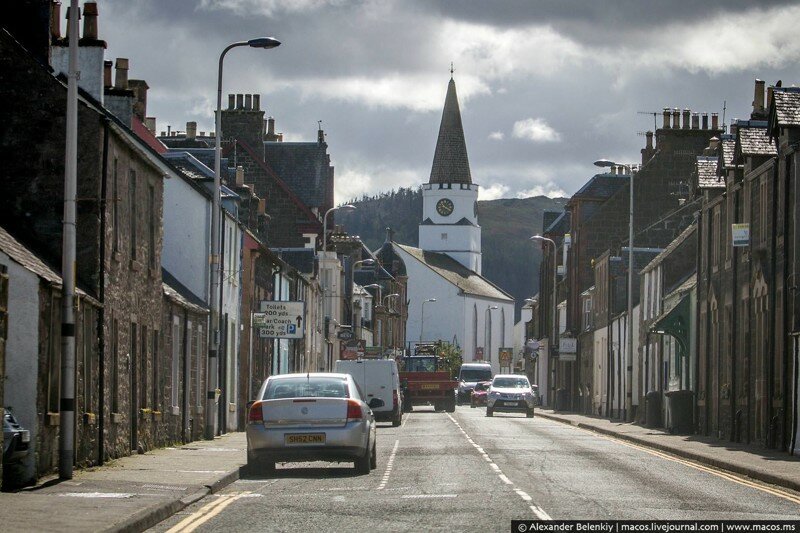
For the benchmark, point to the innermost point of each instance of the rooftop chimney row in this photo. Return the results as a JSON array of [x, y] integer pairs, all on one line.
[[694, 121], [244, 102]]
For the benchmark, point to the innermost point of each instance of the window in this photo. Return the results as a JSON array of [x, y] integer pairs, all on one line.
[[114, 366], [152, 227], [444, 236], [765, 210], [176, 352], [587, 314], [132, 207], [156, 404], [115, 203], [191, 347]]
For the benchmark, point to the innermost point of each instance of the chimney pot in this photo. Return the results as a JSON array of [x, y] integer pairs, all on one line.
[[202, 134], [676, 118], [248, 101], [271, 126], [649, 137], [231, 101], [695, 121], [734, 126], [256, 102], [714, 121], [758, 97], [239, 175], [107, 66], [90, 21], [163, 134], [687, 113], [191, 131], [666, 118], [121, 80], [239, 101], [55, 21], [705, 121]]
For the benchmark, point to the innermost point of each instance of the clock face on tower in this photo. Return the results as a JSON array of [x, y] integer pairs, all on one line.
[[444, 207]]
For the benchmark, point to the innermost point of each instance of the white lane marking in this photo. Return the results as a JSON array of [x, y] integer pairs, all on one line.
[[538, 511], [416, 496], [408, 415], [389, 466], [118, 495], [206, 513]]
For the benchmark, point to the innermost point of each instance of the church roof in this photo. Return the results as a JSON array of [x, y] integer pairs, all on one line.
[[469, 281], [450, 161]]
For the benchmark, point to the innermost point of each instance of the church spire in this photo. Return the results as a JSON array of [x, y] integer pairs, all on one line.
[[450, 161]]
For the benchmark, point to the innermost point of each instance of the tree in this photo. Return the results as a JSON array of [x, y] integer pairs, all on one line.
[[452, 357]]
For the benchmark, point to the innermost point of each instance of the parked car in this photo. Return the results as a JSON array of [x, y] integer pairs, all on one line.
[[537, 399], [510, 393], [468, 376], [479, 393], [378, 378], [311, 417], [16, 440]]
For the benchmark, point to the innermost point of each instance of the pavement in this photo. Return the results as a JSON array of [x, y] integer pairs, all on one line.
[[769, 466], [138, 492]]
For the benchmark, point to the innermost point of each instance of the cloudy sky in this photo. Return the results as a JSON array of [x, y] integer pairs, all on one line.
[[545, 87]]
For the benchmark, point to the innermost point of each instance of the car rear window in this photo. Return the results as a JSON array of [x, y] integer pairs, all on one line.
[[306, 387], [475, 374], [511, 383]]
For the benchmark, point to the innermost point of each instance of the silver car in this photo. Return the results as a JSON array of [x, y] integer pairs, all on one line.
[[511, 393], [311, 417]]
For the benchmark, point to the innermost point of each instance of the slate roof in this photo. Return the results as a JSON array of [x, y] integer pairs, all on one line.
[[179, 293], [786, 103], [560, 225], [657, 260], [727, 146], [302, 259], [450, 161], [642, 257], [32, 263], [602, 186], [304, 166], [468, 281], [754, 139], [707, 173]]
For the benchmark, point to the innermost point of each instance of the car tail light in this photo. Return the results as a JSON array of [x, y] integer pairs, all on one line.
[[394, 399], [256, 414], [354, 411]]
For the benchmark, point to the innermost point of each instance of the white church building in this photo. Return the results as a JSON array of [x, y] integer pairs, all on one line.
[[449, 299]]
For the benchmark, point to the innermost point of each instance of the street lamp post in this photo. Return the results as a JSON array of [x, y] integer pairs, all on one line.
[[629, 328], [488, 328], [422, 318], [346, 207], [216, 274]]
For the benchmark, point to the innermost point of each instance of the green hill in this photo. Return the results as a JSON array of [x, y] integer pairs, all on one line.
[[510, 259]]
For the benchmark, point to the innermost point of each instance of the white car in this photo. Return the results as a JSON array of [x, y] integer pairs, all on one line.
[[311, 417], [510, 393]]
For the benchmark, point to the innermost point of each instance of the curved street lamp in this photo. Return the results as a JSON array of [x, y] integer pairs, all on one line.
[[422, 318], [629, 327], [345, 207], [487, 325], [216, 285]]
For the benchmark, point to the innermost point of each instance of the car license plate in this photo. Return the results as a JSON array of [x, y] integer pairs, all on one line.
[[509, 403], [304, 438], [430, 386]]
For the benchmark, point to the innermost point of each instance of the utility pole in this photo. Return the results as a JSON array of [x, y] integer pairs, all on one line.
[[67, 405]]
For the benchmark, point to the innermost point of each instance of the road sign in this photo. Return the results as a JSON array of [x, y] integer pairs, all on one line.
[[567, 345], [505, 356], [345, 334], [283, 320], [352, 349]]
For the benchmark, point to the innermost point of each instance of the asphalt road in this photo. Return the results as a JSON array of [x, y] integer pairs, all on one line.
[[463, 471]]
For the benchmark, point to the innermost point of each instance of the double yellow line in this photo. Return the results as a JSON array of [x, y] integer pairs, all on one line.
[[697, 466], [206, 513]]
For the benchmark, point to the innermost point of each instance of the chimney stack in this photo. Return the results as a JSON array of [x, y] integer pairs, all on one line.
[[713, 144], [256, 102], [695, 121], [239, 176], [121, 79], [271, 126], [150, 124], [666, 118], [191, 131], [687, 113], [239, 101], [55, 21], [139, 88], [649, 137], [734, 126], [758, 98], [705, 121], [107, 66], [714, 121], [248, 101], [676, 118], [90, 21], [231, 101]]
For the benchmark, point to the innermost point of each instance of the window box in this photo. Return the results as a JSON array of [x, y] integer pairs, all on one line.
[[52, 419], [157, 415], [89, 418]]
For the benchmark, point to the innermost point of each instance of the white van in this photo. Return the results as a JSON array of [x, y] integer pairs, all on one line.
[[470, 375], [378, 378]]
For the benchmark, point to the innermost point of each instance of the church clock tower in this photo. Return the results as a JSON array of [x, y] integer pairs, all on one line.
[[450, 199]]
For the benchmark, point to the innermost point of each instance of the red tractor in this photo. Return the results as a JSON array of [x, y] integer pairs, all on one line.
[[425, 379]]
